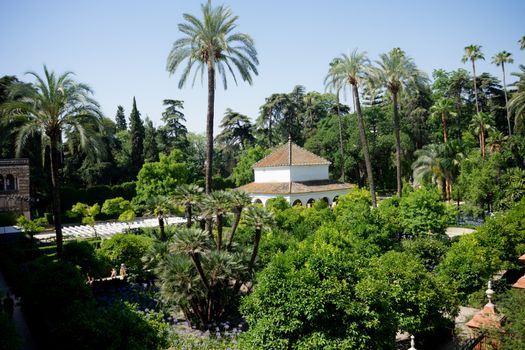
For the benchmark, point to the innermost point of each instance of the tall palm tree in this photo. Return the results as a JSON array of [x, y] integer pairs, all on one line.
[[440, 109], [500, 59], [188, 195], [334, 85], [472, 54], [428, 164], [53, 104], [395, 72], [481, 123], [210, 43], [349, 71]]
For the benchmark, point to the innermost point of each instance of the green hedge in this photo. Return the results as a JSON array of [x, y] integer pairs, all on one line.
[[96, 194]]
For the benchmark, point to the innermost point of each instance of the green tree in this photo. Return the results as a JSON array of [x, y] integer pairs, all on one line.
[[350, 70], [50, 106], [500, 59], [209, 43], [151, 149], [161, 207], [161, 178], [440, 109], [174, 130], [236, 130], [243, 172], [126, 249], [115, 206], [137, 132], [31, 227], [120, 119], [422, 212], [238, 200], [472, 54], [481, 123], [395, 72], [259, 218], [87, 213]]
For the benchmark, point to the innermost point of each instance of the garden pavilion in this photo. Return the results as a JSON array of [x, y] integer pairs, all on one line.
[[298, 175]]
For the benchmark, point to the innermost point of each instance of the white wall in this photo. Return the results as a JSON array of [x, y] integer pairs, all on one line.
[[272, 174], [297, 173], [303, 197], [309, 172]]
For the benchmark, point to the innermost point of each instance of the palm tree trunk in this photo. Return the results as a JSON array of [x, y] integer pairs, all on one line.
[[506, 98], [444, 121], [54, 155], [341, 139], [258, 232], [197, 262], [188, 213], [219, 232], [398, 144], [364, 145], [209, 126], [482, 142], [475, 86], [161, 228], [236, 221]]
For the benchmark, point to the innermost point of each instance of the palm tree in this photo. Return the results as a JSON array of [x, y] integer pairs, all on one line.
[[333, 85], [500, 59], [522, 42], [482, 122], [194, 243], [349, 71], [216, 204], [188, 195], [238, 200], [259, 218], [209, 43], [472, 54], [53, 104], [428, 164], [496, 141], [160, 206], [395, 72], [440, 109], [517, 101]]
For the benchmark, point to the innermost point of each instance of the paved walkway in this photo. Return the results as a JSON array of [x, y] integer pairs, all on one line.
[[458, 231], [22, 329]]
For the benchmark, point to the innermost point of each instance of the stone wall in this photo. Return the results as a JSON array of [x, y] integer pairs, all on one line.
[[14, 186]]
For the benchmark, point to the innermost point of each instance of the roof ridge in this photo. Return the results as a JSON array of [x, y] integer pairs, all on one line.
[[278, 157]]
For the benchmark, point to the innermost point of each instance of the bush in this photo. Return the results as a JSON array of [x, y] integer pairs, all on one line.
[[126, 249], [83, 255]]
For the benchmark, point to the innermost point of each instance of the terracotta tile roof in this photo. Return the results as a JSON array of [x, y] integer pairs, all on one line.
[[486, 318], [297, 187], [281, 157], [522, 258], [520, 283]]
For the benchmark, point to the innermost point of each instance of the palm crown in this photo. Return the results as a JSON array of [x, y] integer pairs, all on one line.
[[472, 53], [210, 41]]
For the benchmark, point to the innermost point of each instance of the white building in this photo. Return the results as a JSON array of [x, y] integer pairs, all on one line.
[[296, 174]]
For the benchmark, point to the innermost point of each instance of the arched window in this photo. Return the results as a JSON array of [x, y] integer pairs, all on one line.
[[2, 187], [325, 199], [297, 202], [310, 202], [335, 199], [257, 201], [10, 183]]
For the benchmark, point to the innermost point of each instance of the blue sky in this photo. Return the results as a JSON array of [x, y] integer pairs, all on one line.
[[120, 47]]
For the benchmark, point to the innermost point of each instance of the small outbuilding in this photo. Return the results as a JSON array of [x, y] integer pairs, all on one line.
[[298, 175]]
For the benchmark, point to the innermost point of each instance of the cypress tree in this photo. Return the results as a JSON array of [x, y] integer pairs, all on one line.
[[120, 119], [151, 149], [136, 128]]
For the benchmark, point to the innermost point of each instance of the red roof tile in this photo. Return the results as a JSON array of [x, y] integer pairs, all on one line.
[[281, 157], [297, 187]]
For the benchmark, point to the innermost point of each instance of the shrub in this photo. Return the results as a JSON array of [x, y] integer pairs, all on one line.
[[83, 255], [126, 249]]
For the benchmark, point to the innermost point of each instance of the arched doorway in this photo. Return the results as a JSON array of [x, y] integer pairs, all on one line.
[[297, 202]]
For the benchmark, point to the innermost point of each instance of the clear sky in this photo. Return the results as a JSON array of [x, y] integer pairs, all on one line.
[[120, 47]]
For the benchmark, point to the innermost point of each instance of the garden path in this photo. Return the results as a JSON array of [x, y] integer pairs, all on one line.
[[19, 320]]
